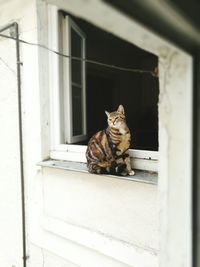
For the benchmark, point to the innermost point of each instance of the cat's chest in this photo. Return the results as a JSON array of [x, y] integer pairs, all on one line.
[[124, 143]]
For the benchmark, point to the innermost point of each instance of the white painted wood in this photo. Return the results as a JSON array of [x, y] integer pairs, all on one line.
[[103, 244], [139, 176], [60, 83], [68, 24], [137, 163], [144, 154], [70, 156], [144, 164], [56, 107], [140, 159], [88, 228], [76, 255]]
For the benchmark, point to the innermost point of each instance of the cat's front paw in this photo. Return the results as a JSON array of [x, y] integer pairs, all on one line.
[[131, 173]]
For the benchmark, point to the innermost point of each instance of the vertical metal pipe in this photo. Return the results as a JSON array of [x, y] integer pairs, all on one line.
[[14, 30], [21, 142]]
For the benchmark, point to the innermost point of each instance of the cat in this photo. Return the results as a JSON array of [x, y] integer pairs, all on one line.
[[107, 150]]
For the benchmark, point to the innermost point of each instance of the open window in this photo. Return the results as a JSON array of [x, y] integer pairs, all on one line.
[[82, 89], [73, 43]]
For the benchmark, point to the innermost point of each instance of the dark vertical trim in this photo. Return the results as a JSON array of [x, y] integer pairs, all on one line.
[[14, 31], [196, 162]]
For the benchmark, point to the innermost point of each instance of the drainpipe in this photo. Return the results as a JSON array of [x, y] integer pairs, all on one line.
[[14, 32]]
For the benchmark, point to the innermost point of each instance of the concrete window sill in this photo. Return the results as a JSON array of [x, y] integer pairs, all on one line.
[[140, 176]]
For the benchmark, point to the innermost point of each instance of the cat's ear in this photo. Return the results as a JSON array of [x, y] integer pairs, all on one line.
[[107, 113], [121, 109]]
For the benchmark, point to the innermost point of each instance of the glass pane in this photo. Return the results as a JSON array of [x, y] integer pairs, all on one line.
[[76, 71], [76, 44], [77, 110], [76, 51]]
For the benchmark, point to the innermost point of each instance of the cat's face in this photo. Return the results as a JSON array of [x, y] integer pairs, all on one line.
[[116, 119]]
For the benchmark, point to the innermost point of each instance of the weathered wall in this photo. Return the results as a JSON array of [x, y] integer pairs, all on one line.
[[10, 183], [22, 12], [94, 220]]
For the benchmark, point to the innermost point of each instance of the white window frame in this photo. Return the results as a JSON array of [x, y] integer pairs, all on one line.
[[69, 24], [140, 159]]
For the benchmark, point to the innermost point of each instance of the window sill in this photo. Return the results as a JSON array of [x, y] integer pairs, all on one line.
[[140, 176]]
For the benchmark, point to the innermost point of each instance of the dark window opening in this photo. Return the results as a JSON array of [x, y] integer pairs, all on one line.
[[106, 88]]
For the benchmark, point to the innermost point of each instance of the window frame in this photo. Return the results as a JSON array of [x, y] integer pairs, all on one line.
[[67, 25], [140, 159]]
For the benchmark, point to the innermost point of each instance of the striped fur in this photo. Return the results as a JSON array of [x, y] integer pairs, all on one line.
[[107, 150]]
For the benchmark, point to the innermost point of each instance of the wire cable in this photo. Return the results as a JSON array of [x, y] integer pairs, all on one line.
[[154, 72]]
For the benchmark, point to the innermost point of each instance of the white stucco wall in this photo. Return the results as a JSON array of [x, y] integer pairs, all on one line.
[[76, 219], [10, 183], [24, 13], [94, 220]]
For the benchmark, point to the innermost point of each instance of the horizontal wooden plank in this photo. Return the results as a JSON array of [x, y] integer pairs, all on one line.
[[119, 250]]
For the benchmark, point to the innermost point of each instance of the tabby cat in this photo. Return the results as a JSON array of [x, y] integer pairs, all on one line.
[[107, 150]]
